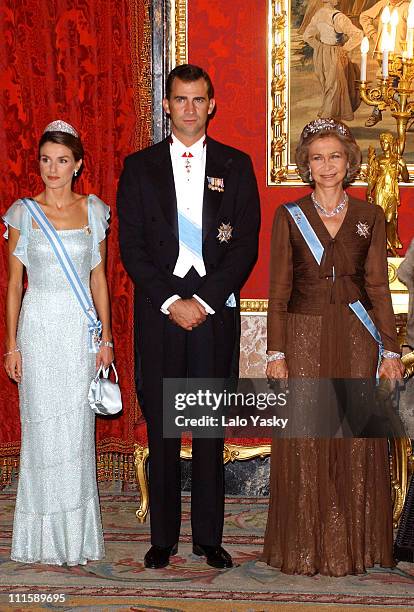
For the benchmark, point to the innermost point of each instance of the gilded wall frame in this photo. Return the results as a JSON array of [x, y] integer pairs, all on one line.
[[179, 32], [169, 48], [294, 92]]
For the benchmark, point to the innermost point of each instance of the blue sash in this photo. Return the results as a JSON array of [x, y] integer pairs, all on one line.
[[190, 235], [317, 249], [94, 325]]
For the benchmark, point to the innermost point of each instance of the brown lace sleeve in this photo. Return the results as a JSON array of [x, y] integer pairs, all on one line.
[[376, 284], [281, 275]]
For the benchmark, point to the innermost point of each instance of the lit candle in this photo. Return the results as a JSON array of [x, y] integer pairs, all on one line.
[[364, 54], [386, 17], [385, 47], [385, 42], [410, 33], [411, 8], [394, 24]]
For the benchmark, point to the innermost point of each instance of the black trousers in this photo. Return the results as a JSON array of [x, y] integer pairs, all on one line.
[[168, 351]]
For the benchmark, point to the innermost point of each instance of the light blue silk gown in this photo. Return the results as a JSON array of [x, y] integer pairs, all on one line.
[[57, 517]]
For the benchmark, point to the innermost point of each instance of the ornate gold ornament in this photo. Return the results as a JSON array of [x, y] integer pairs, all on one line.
[[253, 306], [383, 172], [278, 38], [393, 92], [179, 33]]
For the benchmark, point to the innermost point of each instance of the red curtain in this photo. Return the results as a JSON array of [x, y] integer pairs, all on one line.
[[87, 62]]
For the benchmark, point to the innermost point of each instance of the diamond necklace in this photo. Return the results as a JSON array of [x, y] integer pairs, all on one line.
[[333, 212]]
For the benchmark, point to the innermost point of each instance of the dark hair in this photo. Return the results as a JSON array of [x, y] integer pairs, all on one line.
[[352, 150], [188, 73], [73, 143]]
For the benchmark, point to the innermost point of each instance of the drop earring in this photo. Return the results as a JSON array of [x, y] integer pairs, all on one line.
[[75, 173], [310, 175]]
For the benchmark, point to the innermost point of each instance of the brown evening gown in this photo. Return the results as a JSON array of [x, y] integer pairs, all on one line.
[[330, 506]]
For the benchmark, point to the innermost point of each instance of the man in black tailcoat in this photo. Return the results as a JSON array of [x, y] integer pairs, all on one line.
[[188, 212]]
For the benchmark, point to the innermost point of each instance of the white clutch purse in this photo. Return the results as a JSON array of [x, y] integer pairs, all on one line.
[[104, 395]]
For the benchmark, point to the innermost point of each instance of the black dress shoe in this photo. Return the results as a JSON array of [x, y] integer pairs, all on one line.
[[216, 556], [159, 556]]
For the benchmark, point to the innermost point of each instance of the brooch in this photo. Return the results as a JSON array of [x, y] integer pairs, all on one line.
[[87, 229], [362, 229], [215, 184], [224, 232]]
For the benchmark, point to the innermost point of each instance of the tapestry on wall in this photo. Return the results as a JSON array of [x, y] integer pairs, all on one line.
[[87, 62]]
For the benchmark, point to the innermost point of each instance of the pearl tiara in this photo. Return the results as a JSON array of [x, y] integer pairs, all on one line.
[[319, 125], [61, 126]]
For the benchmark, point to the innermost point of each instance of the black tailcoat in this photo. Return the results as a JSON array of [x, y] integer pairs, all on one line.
[[148, 235]]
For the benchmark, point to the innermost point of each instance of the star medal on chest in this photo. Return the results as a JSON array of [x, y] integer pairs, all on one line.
[[224, 232], [215, 183], [362, 229]]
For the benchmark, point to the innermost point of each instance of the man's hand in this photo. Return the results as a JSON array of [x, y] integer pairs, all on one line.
[[187, 313]]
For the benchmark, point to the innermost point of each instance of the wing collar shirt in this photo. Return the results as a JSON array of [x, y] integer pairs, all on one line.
[[189, 168]]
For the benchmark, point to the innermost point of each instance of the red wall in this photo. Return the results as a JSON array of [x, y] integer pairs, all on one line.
[[229, 40]]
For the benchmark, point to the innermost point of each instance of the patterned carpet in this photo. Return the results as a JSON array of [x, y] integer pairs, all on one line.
[[120, 582]]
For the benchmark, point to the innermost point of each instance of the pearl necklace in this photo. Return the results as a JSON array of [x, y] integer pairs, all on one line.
[[333, 212]]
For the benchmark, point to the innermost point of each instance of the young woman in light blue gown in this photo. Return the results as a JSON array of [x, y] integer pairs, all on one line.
[[57, 517]]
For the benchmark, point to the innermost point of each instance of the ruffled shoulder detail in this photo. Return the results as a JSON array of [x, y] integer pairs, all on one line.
[[98, 215], [19, 217]]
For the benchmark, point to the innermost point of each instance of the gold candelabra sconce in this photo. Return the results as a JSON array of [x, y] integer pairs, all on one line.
[[394, 49], [392, 92]]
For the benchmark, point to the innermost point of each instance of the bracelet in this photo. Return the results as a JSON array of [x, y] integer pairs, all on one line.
[[275, 357], [16, 350], [390, 355], [106, 343]]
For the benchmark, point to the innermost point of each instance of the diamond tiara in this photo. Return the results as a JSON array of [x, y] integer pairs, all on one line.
[[325, 124], [61, 126]]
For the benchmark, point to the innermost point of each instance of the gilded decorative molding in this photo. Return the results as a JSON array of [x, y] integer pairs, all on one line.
[[393, 265], [401, 468], [399, 292], [181, 29], [277, 91], [141, 454], [253, 306]]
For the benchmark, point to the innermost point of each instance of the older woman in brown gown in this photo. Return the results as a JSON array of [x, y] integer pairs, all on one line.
[[330, 508]]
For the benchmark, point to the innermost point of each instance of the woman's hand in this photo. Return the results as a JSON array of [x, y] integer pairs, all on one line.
[[391, 369], [105, 357], [277, 369], [13, 366]]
